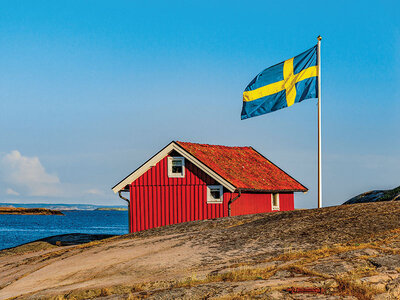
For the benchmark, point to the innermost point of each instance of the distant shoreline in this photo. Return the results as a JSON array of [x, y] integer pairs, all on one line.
[[112, 209], [60, 206], [28, 211]]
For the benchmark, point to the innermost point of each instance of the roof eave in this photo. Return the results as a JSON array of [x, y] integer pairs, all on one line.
[[160, 155], [271, 191], [298, 190]]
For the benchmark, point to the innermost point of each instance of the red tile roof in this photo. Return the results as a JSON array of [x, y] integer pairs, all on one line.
[[243, 167]]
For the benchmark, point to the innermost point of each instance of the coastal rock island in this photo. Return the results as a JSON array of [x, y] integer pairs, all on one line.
[[28, 211], [376, 196]]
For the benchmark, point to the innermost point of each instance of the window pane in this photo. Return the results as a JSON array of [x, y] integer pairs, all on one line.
[[215, 194], [176, 169], [177, 163]]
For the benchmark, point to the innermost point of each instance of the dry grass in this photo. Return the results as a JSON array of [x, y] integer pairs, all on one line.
[[348, 286], [240, 274], [242, 222], [146, 289], [322, 235], [256, 293], [126, 292], [315, 254], [300, 269]]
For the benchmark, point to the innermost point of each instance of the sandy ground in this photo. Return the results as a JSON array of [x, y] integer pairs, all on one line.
[[347, 252]]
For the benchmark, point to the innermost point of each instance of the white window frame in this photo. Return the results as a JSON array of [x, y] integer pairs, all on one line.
[[272, 201], [210, 199], [175, 175]]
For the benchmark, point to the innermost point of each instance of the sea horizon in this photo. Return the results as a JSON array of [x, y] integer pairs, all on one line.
[[16, 230], [60, 206]]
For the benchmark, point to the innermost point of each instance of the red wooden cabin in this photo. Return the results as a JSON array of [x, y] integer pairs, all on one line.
[[187, 182]]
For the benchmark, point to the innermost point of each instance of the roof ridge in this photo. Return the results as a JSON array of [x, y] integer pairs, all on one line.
[[179, 142]]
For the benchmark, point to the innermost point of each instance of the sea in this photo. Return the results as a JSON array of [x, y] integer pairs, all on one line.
[[16, 230]]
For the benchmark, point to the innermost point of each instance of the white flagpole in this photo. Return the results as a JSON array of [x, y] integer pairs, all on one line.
[[319, 124]]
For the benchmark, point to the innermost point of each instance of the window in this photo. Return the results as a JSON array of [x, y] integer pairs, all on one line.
[[176, 167], [215, 194], [275, 201]]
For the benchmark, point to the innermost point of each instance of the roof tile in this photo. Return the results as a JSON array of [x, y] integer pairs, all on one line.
[[244, 167]]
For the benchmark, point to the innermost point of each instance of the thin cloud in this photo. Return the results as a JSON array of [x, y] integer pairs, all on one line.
[[11, 192], [28, 175], [94, 192]]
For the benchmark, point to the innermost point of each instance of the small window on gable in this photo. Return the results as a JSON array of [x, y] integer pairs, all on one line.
[[215, 194], [275, 201], [176, 167]]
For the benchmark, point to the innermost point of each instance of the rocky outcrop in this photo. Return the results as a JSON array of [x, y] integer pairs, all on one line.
[[28, 211], [342, 252], [376, 196]]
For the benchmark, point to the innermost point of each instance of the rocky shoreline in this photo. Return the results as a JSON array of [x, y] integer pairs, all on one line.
[[342, 252], [376, 196], [28, 211]]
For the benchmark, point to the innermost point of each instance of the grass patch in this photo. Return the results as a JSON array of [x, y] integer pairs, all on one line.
[[126, 292], [316, 254], [257, 293], [241, 274], [300, 269], [348, 286]]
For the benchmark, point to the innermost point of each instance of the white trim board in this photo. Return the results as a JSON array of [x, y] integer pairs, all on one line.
[[172, 175], [277, 207], [163, 153], [211, 200]]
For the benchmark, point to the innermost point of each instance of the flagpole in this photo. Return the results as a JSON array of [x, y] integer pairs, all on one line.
[[319, 124]]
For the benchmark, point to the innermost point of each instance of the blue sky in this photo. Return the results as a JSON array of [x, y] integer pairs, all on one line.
[[92, 89]]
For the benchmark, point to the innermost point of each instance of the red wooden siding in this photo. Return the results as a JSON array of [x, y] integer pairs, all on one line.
[[153, 206], [251, 204], [286, 201], [254, 203], [157, 200], [158, 175]]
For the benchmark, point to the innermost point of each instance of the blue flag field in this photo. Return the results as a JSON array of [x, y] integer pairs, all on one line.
[[282, 85]]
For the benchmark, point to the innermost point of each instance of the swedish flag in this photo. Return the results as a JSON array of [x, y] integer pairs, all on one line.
[[282, 85]]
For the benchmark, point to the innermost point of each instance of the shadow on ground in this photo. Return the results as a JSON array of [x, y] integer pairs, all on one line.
[[74, 239]]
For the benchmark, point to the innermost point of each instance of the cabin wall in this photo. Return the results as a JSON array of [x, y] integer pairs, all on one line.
[[286, 201], [157, 200], [254, 203], [158, 176], [251, 203], [154, 206]]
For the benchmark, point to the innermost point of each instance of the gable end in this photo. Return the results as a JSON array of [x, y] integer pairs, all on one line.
[[163, 153]]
